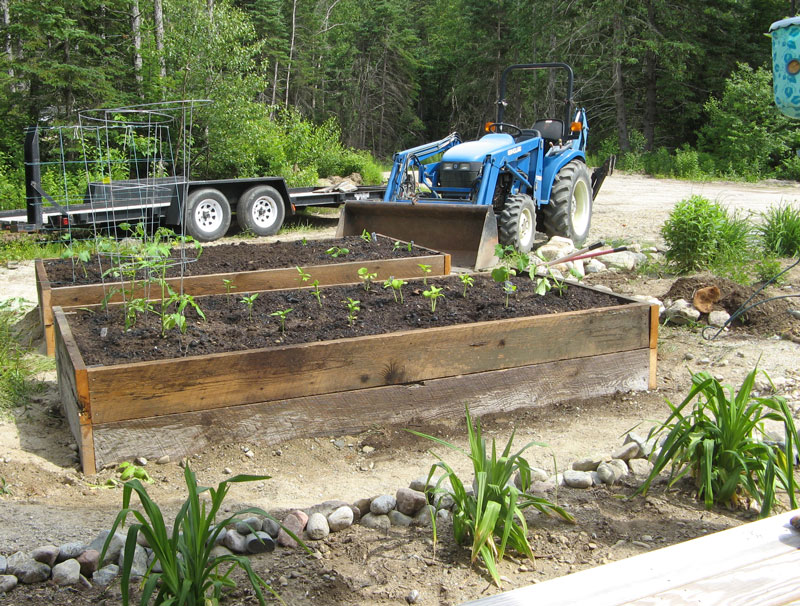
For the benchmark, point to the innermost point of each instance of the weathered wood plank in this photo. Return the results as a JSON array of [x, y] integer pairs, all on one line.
[[751, 564], [654, 324], [345, 413], [227, 379], [73, 387], [247, 281]]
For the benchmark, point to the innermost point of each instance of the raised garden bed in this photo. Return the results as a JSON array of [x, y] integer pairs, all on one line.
[[582, 345], [249, 267]]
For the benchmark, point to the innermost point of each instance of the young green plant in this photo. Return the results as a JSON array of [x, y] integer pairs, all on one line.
[[468, 281], [367, 277], [250, 301], [304, 277], [368, 237], [281, 315], [337, 251], [316, 292], [433, 294], [229, 286], [425, 269], [353, 307], [396, 284], [490, 517]]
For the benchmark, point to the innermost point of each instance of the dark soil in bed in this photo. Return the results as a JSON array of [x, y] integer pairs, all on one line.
[[229, 258], [228, 326]]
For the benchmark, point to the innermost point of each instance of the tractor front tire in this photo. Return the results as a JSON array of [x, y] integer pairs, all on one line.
[[569, 213], [261, 210], [207, 215], [517, 223]]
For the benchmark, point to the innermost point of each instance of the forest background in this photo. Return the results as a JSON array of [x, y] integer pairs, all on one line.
[[310, 88]]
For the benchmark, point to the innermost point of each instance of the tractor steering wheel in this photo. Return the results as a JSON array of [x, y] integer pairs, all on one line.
[[496, 127]]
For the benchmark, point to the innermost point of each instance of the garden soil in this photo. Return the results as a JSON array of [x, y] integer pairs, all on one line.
[[51, 502]]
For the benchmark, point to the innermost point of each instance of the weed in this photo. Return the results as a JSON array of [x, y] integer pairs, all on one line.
[[18, 363], [433, 294], [468, 281], [367, 277], [281, 315], [250, 301], [5, 487], [129, 471], [780, 230], [189, 575], [718, 443], [491, 515]]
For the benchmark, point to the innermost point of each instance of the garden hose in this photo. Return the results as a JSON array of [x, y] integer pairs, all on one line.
[[745, 307]]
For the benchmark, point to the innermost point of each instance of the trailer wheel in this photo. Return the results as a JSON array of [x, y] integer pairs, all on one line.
[[569, 213], [517, 223], [260, 210], [208, 215]]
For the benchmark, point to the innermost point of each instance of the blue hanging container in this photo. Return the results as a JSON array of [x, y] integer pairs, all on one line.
[[786, 65]]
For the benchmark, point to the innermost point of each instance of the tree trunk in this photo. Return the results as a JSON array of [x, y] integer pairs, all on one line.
[[291, 49], [650, 84], [8, 49], [136, 30], [619, 91], [158, 17]]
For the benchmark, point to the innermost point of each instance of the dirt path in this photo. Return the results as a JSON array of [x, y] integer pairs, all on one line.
[[52, 503]]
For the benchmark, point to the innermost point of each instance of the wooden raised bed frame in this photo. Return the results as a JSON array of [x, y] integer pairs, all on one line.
[[246, 282], [180, 406]]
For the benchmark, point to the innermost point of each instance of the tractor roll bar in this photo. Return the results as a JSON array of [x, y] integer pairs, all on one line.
[[501, 103]]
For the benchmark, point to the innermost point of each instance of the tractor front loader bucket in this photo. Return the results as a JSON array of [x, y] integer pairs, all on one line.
[[467, 232]]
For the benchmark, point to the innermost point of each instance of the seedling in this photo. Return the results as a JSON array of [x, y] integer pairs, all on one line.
[[250, 301], [175, 320], [304, 277], [353, 307], [133, 308], [304, 242], [229, 286], [503, 274], [316, 291], [129, 471], [426, 269], [433, 294], [281, 314], [5, 487], [369, 237], [367, 277], [467, 281], [397, 245], [336, 251], [396, 284], [509, 288]]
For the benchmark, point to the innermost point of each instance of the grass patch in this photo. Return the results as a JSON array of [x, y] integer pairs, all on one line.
[[780, 230], [25, 247], [18, 364]]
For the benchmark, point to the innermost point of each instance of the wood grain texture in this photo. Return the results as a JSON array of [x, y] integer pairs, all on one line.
[[753, 564], [244, 282], [145, 389], [73, 387], [346, 413]]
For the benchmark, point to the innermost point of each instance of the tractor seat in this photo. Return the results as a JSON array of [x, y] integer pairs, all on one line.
[[527, 133], [552, 130]]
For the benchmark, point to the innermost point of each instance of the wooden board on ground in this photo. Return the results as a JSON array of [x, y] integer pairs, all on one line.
[[751, 565]]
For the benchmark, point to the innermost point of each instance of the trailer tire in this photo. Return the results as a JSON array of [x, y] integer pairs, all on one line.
[[208, 214], [517, 223], [261, 210], [569, 213]]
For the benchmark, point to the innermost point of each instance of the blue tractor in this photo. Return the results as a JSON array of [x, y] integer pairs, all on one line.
[[465, 197]]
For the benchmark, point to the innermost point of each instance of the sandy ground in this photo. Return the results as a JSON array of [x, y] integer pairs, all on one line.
[[52, 503]]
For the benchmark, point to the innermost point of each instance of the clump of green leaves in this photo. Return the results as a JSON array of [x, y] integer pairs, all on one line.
[[490, 518], [396, 284], [701, 234], [353, 307], [316, 292], [468, 281], [189, 575], [502, 275], [281, 315], [337, 251], [366, 277], [129, 471], [368, 237], [780, 230], [19, 365], [250, 301], [715, 436], [5, 487], [433, 293]]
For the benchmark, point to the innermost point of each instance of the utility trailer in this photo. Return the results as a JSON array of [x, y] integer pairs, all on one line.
[[203, 207]]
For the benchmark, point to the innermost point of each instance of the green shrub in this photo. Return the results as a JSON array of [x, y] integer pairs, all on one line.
[[687, 163], [490, 517], [700, 234], [780, 230], [659, 163], [718, 442]]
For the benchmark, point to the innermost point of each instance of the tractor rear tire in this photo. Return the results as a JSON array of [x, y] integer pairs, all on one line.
[[261, 210], [207, 215], [517, 223], [569, 213]]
